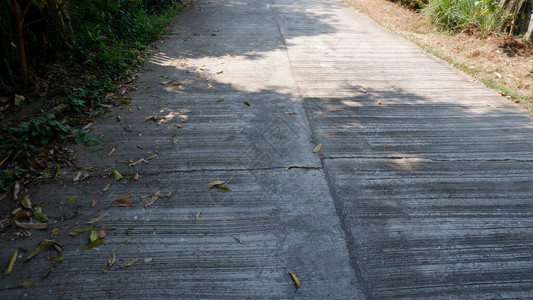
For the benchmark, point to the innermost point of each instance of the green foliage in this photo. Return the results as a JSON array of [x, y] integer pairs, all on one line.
[[483, 16], [94, 44]]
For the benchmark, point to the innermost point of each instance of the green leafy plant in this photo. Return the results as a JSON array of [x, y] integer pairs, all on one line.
[[481, 16]]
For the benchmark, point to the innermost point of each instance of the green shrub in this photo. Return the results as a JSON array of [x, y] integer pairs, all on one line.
[[482, 16]]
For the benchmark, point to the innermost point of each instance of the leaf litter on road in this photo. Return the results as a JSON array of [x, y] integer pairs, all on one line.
[[11, 263]]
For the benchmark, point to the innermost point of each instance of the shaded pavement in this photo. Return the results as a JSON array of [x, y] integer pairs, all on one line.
[[422, 188]]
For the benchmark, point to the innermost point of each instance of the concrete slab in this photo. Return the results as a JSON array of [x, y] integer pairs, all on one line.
[[422, 189]]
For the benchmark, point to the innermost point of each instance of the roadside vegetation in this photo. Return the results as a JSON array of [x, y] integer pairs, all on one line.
[[60, 68]]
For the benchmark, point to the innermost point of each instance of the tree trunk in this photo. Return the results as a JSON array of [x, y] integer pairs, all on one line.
[[22, 51]]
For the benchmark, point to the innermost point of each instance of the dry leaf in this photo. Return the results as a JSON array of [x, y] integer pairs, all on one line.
[[24, 284], [294, 166], [379, 102], [240, 241], [215, 183], [11, 263], [220, 72], [220, 100], [150, 201], [117, 174], [32, 225], [129, 263], [58, 171], [93, 244], [290, 112], [125, 203], [246, 103], [90, 169], [72, 199], [198, 214], [102, 233], [55, 232], [152, 157], [137, 162], [317, 148], [222, 188], [296, 280], [25, 201], [112, 151], [176, 125], [41, 246], [134, 177], [93, 236], [105, 189], [363, 90], [147, 260], [81, 230], [77, 177], [16, 190], [97, 219], [52, 269], [110, 261], [138, 107], [93, 202], [125, 196], [175, 139]]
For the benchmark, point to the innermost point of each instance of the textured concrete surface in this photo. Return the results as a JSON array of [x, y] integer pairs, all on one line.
[[422, 189]]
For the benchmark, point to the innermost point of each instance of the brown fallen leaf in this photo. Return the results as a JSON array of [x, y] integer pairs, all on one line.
[[11, 263], [137, 162], [153, 198], [240, 241], [148, 260], [93, 244], [220, 72], [125, 203], [246, 103], [215, 183], [90, 169], [129, 263], [134, 177], [25, 201], [294, 166], [125, 196], [102, 233], [112, 151], [198, 214], [55, 232], [220, 100], [93, 202], [110, 261], [32, 225], [317, 148], [106, 187], [77, 177], [97, 219]]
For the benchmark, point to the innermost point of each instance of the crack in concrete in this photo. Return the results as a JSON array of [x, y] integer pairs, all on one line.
[[429, 159], [234, 169]]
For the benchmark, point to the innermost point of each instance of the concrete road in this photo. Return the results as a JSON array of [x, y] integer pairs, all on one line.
[[422, 188]]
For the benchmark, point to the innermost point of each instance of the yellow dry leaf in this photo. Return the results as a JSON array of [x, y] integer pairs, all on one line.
[[129, 263], [11, 263], [112, 151], [317, 148], [106, 187], [134, 177], [77, 177], [32, 225], [295, 279], [152, 157], [72, 199], [25, 201]]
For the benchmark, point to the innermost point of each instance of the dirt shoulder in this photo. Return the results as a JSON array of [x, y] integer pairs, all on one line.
[[502, 63]]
